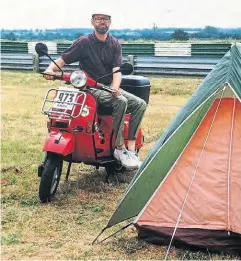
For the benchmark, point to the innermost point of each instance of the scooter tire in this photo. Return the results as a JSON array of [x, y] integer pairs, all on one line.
[[50, 177]]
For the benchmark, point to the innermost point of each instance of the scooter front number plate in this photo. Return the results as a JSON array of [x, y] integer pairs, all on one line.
[[65, 99]]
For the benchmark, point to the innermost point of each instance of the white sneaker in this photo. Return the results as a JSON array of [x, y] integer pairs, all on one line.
[[125, 159], [134, 156]]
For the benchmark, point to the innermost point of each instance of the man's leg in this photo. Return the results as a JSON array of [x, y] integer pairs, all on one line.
[[136, 107], [119, 106]]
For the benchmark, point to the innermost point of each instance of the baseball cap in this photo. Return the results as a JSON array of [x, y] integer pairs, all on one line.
[[101, 13]]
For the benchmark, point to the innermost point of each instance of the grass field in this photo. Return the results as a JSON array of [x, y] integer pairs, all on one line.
[[65, 228]]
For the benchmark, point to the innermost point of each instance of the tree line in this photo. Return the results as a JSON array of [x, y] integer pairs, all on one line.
[[155, 33]]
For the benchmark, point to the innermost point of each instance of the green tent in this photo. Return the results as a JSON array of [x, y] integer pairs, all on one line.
[[213, 107]]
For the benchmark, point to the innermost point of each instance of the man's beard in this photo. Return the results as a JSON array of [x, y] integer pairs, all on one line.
[[102, 30]]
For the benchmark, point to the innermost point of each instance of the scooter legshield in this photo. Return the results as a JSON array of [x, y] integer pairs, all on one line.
[[59, 142]]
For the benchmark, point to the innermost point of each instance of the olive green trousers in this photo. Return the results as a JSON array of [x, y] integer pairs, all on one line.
[[122, 104]]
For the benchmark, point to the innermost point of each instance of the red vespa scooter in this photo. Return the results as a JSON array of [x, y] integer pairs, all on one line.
[[78, 130]]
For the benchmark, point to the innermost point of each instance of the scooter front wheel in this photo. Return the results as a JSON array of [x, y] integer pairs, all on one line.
[[50, 177]]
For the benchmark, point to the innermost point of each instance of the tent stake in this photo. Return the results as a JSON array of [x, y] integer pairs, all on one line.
[[116, 232], [111, 234], [99, 235]]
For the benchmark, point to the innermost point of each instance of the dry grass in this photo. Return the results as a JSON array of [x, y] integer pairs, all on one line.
[[65, 228]]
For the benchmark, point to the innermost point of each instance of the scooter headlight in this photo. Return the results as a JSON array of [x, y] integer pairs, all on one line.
[[78, 79]]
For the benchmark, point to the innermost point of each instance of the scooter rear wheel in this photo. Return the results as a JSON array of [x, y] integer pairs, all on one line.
[[50, 177]]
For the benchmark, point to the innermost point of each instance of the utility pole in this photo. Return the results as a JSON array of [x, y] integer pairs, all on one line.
[[154, 32]]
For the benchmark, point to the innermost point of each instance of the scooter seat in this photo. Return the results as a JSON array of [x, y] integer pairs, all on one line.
[[103, 110]]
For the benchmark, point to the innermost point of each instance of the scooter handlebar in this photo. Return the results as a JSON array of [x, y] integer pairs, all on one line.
[[64, 77]]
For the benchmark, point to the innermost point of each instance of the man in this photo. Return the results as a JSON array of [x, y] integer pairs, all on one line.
[[98, 54]]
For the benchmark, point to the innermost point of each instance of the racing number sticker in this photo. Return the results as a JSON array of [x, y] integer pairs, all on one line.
[[64, 100]]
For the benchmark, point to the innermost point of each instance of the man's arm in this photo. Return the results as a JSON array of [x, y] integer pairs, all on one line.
[[116, 81], [52, 68], [116, 62]]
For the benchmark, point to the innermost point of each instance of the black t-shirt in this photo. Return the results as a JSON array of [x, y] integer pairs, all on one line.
[[96, 57]]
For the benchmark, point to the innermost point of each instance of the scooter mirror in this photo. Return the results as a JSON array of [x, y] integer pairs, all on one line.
[[41, 49], [126, 68]]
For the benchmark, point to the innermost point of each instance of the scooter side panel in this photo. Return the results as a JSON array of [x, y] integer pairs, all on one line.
[[59, 142], [85, 147], [104, 140]]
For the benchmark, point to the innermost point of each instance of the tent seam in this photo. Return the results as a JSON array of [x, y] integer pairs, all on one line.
[[193, 177], [229, 163]]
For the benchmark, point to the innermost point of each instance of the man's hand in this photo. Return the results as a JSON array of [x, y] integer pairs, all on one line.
[[116, 91], [49, 77], [52, 69]]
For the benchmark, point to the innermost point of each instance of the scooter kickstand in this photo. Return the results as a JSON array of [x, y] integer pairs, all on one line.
[[68, 171], [107, 178]]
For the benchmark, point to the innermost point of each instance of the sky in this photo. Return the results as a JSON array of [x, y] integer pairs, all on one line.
[[133, 14]]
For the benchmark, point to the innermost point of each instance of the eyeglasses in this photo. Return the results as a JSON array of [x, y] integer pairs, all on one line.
[[99, 19]]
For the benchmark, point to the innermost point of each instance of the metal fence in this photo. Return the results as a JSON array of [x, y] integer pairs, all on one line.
[[43, 63], [174, 65], [139, 49], [14, 47], [199, 66], [155, 58], [209, 50], [18, 61], [172, 49], [127, 49]]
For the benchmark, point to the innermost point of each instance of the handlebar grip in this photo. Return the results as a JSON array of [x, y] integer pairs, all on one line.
[[64, 77], [48, 74], [43, 73]]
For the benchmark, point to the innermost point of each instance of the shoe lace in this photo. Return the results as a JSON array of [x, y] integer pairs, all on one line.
[[126, 153], [134, 154], [137, 156]]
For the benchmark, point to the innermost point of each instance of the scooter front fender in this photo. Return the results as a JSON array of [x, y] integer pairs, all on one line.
[[59, 142]]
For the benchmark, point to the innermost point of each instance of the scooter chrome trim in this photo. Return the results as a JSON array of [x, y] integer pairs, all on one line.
[[53, 113]]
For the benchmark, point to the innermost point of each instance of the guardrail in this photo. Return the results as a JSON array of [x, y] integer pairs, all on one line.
[[127, 49], [139, 49], [18, 61], [154, 58], [174, 65], [209, 50], [198, 66], [14, 47], [43, 62], [172, 49]]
